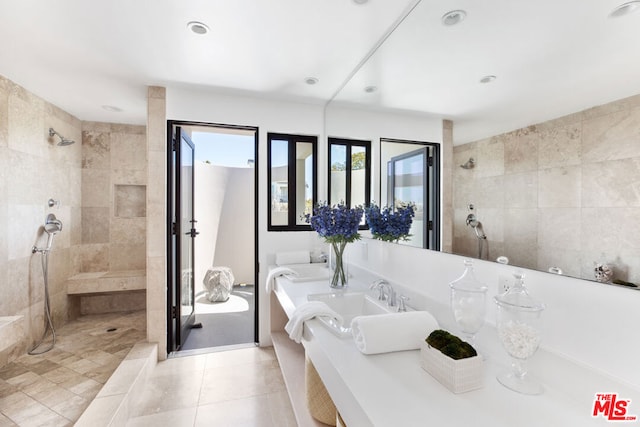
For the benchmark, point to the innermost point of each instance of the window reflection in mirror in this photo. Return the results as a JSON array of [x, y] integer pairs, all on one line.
[[412, 176], [279, 182], [349, 172], [305, 180], [292, 177]]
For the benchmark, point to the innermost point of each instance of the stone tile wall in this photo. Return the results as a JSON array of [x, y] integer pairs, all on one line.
[[33, 169], [559, 193], [114, 179]]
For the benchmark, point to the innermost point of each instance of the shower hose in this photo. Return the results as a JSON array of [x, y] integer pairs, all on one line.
[[47, 309]]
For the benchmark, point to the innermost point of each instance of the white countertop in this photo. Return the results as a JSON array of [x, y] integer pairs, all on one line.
[[393, 390]]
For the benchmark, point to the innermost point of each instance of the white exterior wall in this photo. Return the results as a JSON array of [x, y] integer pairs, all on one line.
[[210, 189], [235, 244]]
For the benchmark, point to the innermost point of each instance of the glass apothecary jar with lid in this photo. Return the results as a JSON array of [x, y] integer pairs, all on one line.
[[518, 324], [468, 302]]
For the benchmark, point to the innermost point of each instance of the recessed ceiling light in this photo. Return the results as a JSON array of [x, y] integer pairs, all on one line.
[[370, 89], [311, 80], [453, 17], [487, 79], [198, 27], [625, 9], [360, 1], [112, 108]]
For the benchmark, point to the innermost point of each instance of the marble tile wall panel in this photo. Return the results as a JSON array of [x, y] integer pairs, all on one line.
[[560, 187], [521, 151], [96, 150], [128, 230], [27, 131], [490, 160], [615, 183], [611, 137], [95, 225], [128, 151], [521, 190], [127, 256], [489, 193], [94, 257], [130, 201], [560, 146], [96, 188]]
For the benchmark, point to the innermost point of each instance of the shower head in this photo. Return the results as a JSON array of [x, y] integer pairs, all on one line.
[[63, 141], [52, 226], [469, 164]]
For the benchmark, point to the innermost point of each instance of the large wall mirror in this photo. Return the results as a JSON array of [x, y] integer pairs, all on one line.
[[545, 163]]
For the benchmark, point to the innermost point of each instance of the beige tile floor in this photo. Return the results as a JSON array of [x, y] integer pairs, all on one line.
[[241, 387], [54, 388]]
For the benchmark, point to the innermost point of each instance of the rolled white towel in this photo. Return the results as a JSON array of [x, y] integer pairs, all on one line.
[[293, 257], [307, 311], [384, 333], [278, 271]]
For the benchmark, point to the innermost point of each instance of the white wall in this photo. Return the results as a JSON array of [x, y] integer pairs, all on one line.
[[235, 244], [210, 189]]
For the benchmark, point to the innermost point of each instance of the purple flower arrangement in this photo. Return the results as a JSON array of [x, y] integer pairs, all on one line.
[[336, 224], [390, 226]]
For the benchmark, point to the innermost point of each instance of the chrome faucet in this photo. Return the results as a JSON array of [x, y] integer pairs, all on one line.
[[402, 306], [390, 295]]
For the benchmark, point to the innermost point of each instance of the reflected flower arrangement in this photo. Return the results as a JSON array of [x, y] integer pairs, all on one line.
[[389, 225]]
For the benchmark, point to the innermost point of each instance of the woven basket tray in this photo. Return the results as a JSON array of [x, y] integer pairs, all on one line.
[[319, 402], [457, 375]]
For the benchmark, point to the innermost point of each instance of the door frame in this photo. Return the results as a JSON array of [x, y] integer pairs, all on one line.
[[170, 256]]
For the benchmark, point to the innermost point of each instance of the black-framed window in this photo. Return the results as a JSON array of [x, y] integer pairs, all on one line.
[[349, 172], [292, 165]]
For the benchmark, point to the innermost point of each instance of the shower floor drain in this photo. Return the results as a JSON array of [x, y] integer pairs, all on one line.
[[112, 329]]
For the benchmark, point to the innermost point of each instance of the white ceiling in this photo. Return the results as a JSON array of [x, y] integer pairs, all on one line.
[[550, 57]]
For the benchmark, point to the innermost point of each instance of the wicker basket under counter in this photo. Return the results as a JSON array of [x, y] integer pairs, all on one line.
[[458, 376]]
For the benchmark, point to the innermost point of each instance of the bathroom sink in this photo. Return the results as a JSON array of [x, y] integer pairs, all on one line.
[[307, 272], [348, 305]]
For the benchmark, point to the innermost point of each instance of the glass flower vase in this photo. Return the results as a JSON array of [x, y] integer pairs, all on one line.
[[339, 276]]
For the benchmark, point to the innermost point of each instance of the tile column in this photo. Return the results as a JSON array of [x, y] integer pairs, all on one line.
[[156, 219], [447, 186]]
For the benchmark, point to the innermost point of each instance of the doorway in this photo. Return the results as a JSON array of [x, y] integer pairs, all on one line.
[[212, 299]]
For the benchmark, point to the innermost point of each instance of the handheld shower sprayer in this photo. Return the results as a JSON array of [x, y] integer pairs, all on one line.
[[52, 226], [63, 141]]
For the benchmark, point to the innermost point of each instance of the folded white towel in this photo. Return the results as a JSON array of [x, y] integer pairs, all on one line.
[[278, 271], [307, 311], [293, 257], [384, 333]]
